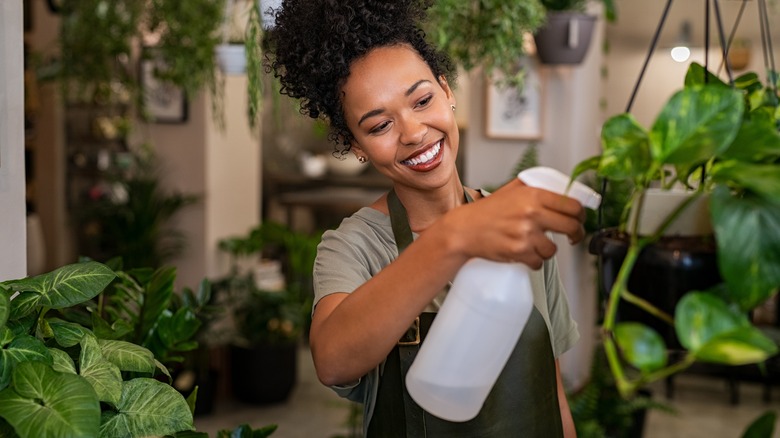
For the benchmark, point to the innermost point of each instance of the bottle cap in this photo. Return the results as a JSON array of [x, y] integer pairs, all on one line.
[[555, 181]]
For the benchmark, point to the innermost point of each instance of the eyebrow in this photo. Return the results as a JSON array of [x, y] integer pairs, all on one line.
[[378, 111]]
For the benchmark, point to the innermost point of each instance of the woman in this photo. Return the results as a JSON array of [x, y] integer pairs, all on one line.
[[366, 68]]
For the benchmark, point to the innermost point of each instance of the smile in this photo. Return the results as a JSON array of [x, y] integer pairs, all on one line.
[[424, 158]]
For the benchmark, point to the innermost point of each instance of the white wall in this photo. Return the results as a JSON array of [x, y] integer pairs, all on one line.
[[570, 133], [223, 168], [13, 253]]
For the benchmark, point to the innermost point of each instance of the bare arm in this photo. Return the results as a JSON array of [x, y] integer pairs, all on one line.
[[568, 422], [352, 333]]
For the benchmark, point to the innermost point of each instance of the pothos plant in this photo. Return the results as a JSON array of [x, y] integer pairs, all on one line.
[[719, 140]]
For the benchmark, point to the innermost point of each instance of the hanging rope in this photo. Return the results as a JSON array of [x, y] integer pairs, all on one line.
[[733, 33]]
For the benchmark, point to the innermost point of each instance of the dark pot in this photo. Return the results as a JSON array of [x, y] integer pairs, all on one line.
[[263, 374], [185, 381], [663, 273], [565, 37]]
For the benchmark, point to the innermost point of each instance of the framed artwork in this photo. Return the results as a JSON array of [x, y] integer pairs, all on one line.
[[512, 113], [163, 102]]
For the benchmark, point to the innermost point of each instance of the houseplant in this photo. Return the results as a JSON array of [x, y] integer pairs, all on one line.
[[130, 213], [566, 34], [722, 142], [485, 33], [60, 378], [270, 302], [241, 51]]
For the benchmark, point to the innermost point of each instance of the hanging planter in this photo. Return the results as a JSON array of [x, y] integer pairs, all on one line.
[[231, 58], [565, 37]]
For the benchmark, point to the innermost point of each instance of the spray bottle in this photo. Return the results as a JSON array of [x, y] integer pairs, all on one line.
[[480, 323]]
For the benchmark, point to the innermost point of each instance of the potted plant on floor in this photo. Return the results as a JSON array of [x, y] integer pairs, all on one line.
[[719, 143], [270, 301], [62, 378]]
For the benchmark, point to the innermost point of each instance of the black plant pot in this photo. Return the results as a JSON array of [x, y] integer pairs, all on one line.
[[663, 273], [564, 38], [263, 374], [185, 381]]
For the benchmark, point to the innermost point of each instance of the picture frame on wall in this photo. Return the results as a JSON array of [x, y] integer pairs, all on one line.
[[163, 102], [511, 113]]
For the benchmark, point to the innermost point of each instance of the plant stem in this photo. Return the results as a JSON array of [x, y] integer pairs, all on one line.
[[647, 307]]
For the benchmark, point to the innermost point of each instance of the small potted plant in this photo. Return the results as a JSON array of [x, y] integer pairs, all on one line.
[[720, 143], [270, 302], [566, 34]]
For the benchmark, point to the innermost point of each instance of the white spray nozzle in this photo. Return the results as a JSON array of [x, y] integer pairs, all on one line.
[[555, 181]]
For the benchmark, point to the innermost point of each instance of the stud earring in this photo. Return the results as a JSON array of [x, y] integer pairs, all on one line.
[[362, 160], [453, 107]]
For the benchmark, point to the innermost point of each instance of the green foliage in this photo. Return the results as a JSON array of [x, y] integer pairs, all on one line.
[[579, 5], [132, 217], [599, 410], [263, 316], [188, 35], [61, 378], [486, 33], [721, 141]]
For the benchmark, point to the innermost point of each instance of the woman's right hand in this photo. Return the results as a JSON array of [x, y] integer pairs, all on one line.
[[511, 225]]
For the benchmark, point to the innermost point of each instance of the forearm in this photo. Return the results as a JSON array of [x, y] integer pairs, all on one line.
[[353, 333]]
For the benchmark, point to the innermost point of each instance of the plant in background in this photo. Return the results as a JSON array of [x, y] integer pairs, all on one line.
[[579, 6], [130, 214], [716, 140], [271, 316], [485, 33], [600, 411]]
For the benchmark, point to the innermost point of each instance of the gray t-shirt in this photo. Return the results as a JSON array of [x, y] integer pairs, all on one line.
[[364, 244]]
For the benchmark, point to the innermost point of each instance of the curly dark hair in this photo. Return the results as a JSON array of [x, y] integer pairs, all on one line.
[[315, 41]]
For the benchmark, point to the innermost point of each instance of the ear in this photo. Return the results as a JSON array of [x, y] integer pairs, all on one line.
[[447, 90], [355, 148]]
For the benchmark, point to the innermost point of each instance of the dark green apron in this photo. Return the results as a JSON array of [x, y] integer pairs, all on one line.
[[522, 403]]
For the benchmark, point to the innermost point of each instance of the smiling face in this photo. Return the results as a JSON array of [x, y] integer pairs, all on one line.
[[401, 118]]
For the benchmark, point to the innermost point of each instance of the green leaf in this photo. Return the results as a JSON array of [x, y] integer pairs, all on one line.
[[24, 304], [742, 346], [641, 346], [66, 286], [45, 403], [157, 297], [104, 376], [67, 334], [696, 76], [61, 361], [762, 427], [128, 356], [178, 328], [756, 140], [583, 166], [5, 309], [147, 408], [625, 149], [696, 124], [24, 348], [700, 317], [748, 245], [761, 179]]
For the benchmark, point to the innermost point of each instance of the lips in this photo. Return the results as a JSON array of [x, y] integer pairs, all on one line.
[[424, 157]]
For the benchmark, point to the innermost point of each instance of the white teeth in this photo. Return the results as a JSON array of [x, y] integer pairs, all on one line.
[[424, 158]]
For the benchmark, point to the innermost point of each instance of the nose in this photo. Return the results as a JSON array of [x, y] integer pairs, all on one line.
[[412, 130]]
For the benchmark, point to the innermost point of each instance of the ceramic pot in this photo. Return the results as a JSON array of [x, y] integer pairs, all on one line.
[[663, 273], [231, 58], [565, 37]]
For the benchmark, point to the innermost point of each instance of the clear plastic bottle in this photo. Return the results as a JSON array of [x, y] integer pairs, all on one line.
[[480, 323]]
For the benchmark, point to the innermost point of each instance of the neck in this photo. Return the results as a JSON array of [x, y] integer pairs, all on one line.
[[423, 208]]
